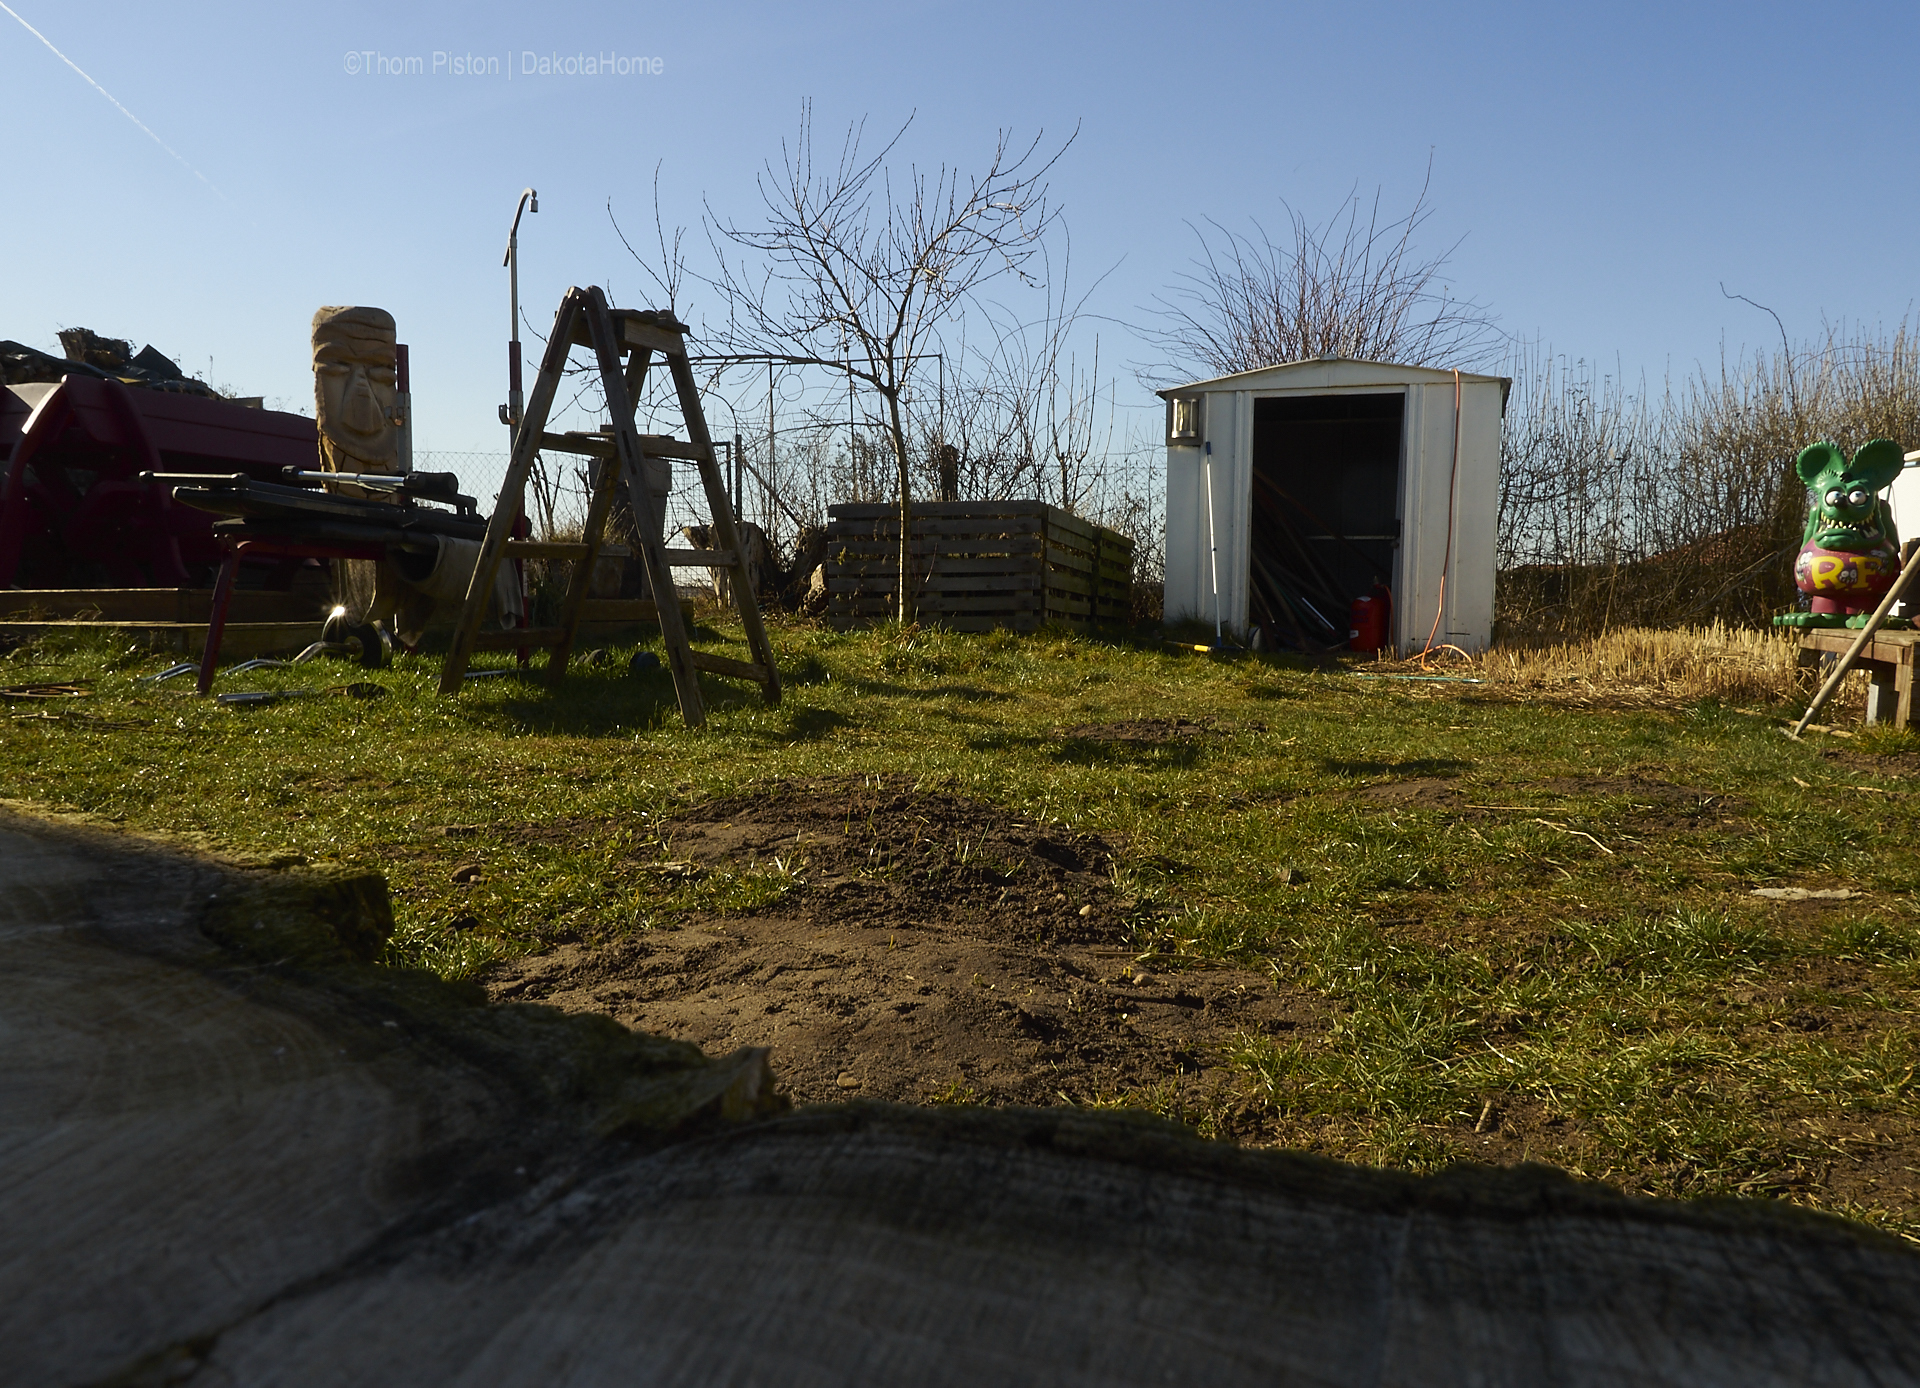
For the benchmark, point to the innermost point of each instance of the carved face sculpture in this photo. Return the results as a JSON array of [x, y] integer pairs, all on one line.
[[353, 389]]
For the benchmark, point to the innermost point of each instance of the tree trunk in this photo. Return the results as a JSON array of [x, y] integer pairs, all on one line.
[[899, 436]]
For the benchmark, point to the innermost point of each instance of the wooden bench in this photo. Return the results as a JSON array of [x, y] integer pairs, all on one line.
[[1887, 659]]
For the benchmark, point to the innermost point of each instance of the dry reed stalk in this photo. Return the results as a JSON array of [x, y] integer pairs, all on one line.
[[1644, 666]]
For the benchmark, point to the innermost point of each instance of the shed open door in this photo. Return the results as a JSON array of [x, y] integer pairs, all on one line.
[[1325, 509]]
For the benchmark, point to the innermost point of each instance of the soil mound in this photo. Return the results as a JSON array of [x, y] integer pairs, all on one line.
[[921, 946]]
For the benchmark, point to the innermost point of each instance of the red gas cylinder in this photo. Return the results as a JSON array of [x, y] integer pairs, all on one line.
[[1370, 618]]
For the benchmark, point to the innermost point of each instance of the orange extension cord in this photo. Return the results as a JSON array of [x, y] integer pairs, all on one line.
[[1446, 559]]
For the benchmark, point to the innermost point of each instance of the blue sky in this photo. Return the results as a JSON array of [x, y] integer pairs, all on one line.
[[1607, 166]]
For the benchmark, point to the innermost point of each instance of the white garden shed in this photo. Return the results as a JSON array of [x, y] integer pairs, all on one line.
[[1302, 485]]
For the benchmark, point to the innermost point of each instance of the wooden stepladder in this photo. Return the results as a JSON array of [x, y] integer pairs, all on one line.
[[620, 452]]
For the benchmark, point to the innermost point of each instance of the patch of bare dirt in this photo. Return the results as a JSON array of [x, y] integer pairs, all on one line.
[[1416, 792], [927, 946], [1893, 766], [1651, 803]]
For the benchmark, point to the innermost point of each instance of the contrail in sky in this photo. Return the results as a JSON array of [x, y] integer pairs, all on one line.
[[109, 96]]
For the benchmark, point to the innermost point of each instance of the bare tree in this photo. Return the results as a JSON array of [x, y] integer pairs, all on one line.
[[854, 273], [1342, 288]]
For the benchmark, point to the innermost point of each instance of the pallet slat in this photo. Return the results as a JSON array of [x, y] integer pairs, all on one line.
[[978, 565]]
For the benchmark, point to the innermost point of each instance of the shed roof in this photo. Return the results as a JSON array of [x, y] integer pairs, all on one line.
[[1330, 373]]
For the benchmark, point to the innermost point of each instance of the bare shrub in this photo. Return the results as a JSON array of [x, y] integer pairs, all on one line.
[[1339, 288], [1624, 507]]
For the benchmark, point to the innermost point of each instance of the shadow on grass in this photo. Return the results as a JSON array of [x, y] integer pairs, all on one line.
[[1179, 755], [1417, 766], [966, 693], [586, 707], [805, 725], [1176, 755]]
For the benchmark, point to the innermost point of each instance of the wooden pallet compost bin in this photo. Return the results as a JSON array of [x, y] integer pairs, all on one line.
[[977, 565]]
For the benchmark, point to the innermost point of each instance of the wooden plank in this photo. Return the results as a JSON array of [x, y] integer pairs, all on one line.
[[1066, 559], [985, 602], [240, 639], [702, 558], [946, 534], [889, 574], [954, 602], [987, 564], [936, 510], [1029, 545], [881, 529], [940, 583], [601, 446], [1066, 520], [632, 333], [544, 549], [157, 605], [923, 564], [987, 561], [1067, 583], [726, 665], [587, 445]]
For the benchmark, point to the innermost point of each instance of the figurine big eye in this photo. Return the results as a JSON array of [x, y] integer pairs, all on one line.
[[1833, 496], [1858, 496]]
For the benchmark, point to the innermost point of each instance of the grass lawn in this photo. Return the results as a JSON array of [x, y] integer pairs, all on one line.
[[1515, 930]]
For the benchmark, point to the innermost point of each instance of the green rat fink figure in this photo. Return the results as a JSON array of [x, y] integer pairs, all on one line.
[[1849, 553]]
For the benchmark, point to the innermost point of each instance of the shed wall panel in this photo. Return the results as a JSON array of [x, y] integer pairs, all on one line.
[[1428, 469], [1186, 549]]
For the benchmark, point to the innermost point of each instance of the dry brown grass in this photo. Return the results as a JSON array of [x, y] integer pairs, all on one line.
[[1650, 667]]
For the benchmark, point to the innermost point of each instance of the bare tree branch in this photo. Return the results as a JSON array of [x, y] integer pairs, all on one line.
[[1343, 288], [853, 272]]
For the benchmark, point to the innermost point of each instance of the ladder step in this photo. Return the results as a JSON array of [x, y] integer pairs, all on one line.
[[593, 445], [515, 640], [545, 549], [702, 558], [667, 446], [726, 665], [600, 445], [639, 328]]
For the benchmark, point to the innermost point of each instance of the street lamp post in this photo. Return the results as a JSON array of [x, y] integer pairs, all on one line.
[[511, 412]]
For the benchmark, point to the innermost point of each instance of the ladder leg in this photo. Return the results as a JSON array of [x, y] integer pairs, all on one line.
[[512, 492], [646, 511], [605, 490], [726, 534], [582, 577], [217, 621]]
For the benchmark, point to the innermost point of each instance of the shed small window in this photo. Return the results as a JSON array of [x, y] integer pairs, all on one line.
[[1183, 420]]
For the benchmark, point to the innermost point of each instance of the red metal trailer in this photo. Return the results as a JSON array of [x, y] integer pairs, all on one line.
[[74, 512]]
